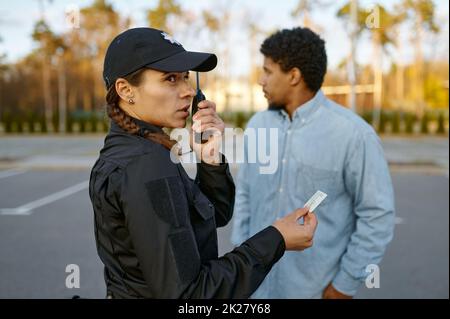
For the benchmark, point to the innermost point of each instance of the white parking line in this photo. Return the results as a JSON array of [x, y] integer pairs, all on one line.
[[27, 209], [11, 172]]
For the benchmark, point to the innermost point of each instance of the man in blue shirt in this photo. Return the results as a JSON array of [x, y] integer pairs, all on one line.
[[321, 146]]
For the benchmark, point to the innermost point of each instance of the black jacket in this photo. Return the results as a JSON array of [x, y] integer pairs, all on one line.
[[155, 228]]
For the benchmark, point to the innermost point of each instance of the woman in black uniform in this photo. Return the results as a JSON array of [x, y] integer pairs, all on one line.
[[155, 228]]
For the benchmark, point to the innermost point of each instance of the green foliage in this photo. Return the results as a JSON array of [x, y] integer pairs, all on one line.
[[368, 117], [384, 119], [410, 121], [395, 120], [424, 123], [158, 17], [441, 123]]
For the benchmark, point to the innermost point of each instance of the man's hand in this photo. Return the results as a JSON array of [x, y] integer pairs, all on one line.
[[331, 293]]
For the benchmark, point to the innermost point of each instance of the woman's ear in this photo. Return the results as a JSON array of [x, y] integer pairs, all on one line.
[[295, 76], [124, 89]]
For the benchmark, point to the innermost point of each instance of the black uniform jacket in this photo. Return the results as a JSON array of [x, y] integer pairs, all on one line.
[[155, 228]]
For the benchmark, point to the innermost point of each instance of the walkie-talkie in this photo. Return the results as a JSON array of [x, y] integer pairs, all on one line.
[[198, 138]]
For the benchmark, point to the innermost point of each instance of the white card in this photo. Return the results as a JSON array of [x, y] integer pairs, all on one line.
[[315, 200]]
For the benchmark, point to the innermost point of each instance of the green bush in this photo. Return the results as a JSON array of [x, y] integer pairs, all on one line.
[[441, 123], [240, 120], [368, 117], [82, 122], [93, 121], [384, 119], [32, 118], [395, 120], [424, 123], [7, 122], [105, 123], [410, 121], [17, 124], [55, 121], [69, 123], [43, 123]]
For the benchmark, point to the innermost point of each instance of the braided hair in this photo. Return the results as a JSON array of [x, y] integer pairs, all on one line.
[[126, 122]]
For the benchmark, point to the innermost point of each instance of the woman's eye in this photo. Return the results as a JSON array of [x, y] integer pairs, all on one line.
[[172, 78]]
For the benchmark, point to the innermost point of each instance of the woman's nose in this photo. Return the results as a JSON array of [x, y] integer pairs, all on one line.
[[188, 91]]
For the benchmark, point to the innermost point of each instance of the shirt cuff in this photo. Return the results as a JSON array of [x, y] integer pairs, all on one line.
[[345, 283]]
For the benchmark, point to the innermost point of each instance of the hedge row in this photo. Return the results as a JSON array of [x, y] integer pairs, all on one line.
[[82, 122], [397, 122]]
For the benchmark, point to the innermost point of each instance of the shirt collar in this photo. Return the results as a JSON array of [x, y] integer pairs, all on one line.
[[306, 110]]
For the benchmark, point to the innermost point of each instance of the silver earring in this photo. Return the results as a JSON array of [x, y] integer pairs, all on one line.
[[131, 101]]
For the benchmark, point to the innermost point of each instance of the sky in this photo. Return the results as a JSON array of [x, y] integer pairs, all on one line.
[[17, 19]]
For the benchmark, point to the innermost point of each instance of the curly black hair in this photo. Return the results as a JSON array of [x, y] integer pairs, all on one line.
[[301, 48]]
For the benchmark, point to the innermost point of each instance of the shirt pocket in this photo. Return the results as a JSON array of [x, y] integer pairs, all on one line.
[[311, 179]]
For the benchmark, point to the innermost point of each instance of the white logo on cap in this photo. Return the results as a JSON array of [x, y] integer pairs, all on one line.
[[169, 38]]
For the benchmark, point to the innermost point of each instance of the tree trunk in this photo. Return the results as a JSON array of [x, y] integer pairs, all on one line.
[[62, 96], [352, 62], [48, 105], [378, 81], [419, 89]]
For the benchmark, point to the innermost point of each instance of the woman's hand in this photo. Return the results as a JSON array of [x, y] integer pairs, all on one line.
[[207, 120], [297, 236]]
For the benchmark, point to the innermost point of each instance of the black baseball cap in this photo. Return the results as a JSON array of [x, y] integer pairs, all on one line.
[[151, 48]]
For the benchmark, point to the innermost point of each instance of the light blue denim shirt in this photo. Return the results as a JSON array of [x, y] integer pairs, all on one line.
[[329, 148]]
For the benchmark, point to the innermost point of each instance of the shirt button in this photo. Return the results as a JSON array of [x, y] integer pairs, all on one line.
[[303, 121], [283, 161], [281, 190], [288, 132]]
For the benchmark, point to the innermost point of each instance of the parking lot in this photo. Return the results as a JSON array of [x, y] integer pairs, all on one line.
[[46, 223]]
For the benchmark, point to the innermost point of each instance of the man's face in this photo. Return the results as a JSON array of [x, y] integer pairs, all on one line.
[[275, 83]]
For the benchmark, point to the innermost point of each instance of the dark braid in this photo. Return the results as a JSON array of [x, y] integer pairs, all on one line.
[[124, 121]]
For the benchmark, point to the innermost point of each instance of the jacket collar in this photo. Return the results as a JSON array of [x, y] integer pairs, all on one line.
[[143, 126]]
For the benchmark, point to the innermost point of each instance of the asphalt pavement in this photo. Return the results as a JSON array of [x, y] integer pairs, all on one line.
[[46, 224]]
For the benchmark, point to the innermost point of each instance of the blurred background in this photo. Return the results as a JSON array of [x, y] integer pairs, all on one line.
[[388, 61]]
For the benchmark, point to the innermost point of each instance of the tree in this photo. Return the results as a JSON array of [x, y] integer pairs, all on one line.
[[380, 24], [158, 17], [422, 15], [353, 15], [3, 68], [48, 44], [303, 10], [218, 26], [101, 23]]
